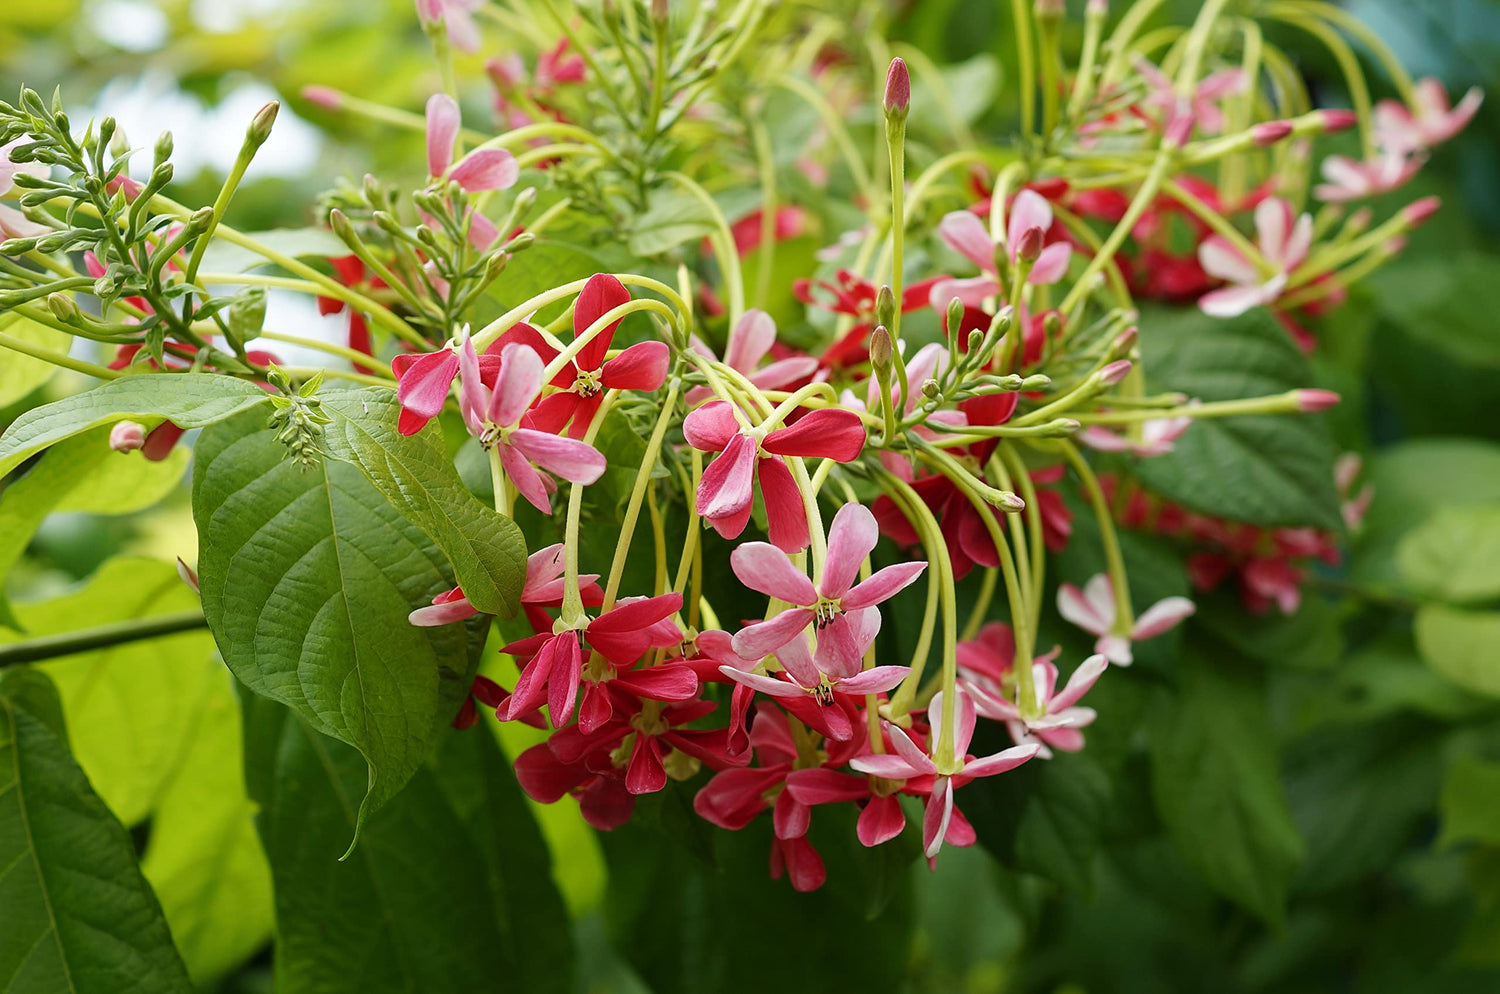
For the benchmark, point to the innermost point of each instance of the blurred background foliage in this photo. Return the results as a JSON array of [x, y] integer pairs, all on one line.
[[1343, 764]]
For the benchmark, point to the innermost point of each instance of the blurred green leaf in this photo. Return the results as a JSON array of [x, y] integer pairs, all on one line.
[[78, 915], [1460, 644], [1455, 554], [19, 373], [1470, 803]]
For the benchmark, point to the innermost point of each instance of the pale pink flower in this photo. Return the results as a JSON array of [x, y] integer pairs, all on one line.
[[1348, 179], [1179, 116], [750, 341], [1056, 719], [494, 417], [835, 607], [457, 17], [1158, 436], [543, 586], [1284, 240], [1029, 221], [482, 169], [910, 761], [1093, 609], [1430, 121]]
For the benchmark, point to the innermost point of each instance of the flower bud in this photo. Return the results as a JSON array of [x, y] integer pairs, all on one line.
[[1114, 372], [17, 246], [931, 390], [127, 436], [885, 306], [1029, 245], [1419, 211], [1096, 8], [188, 576], [261, 124], [1124, 343], [1270, 132], [882, 351], [519, 243], [119, 144], [343, 227], [1358, 222], [1338, 120], [1036, 382], [955, 316], [163, 150], [661, 11], [200, 220], [325, 97], [897, 91], [1049, 9], [63, 308], [1006, 501], [497, 265], [976, 339], [1310, 401]]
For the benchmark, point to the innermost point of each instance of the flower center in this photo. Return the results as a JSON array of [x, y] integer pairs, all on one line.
[[587, 384], [825, 611]]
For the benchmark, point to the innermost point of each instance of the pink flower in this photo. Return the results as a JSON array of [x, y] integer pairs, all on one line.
[[1180, 116], [1352, 180], [1284, 240], [1093, 609], [494, 416], [543, 587], [1430, 121], [1158, 437], [1030, 220], [836, 607], [746, 457], [750, 341], [910, 761], [584, 379], [1055, 720], [457, 17], [482, 169]]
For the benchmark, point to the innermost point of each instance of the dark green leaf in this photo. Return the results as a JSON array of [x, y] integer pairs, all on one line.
[[77, 914], [307, 579], [1265, 470], [485, 549], [1470, 802]]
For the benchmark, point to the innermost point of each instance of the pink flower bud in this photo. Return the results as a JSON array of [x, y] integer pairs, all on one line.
[[127, 436], [1029, 248], [1125, 341], [1338, 120], [1309, 401], [325, 97], [1096, 8], [1418, 211], [1114, 372], [1049, 8], [430, 11], [897, 90], [1270, 132], [185, 572]]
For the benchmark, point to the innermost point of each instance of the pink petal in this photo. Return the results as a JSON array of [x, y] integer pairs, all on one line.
[[766, 569], [1000, 761], [784, 372], [1077, 609], [519, 382], [728, 484], [1030, 210], [574, 461], [1079, 683], [790, 817], [637, 613], [1273, 227], [640, 367], [1232, 301], [425, 382], [442, 614], [749, 341], [820, 785], [763, 638], [1051, 265], [972, 292], [908, 750], [786, 516], [797, 660], [711, 427], [886, 766], [473, 395], [486, 169], [600, 295], [883, 585], [1162, 616], [936, 815], [1221, 259], [462, 30], [966, 235], [1115, 648], [443, 121], [839, 653], [876, 680], [563, 681], [827, 433], [881, 821], [765, 684], [668, 682], [851, 538], [645, 773], [527, 480]]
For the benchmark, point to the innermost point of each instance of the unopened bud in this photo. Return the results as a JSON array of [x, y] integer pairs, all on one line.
[[931, 390], [525, 200], [897, 91], [1049, 9], [955, 315], [497, 265], [1419, 211], [882, 351], [521, 242], [62, 307], [163, 150], [1309, 401], [119, 144], [1114, 372], [261, 124], [976, 339], [1124, 343], [325, 97], [1270, 132], [1036, 382], [185, 572], [1336, 120], [1029, 245], [343, 227], [17, 246], [1358, 221], [1007, 501], [127, 436], [1096, 8], [661, 11], [885, 306], [200, 220]]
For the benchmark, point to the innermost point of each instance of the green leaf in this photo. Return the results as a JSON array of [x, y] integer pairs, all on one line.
[[308, 576], [1447, 302], [671, 218], [1215, 783], [1460, 644], [485, 548], [1265, 470], [1455, 554], [81, 473], [20, 373], [78, 915], [1311, 638], [413, 908], [1470, 802], [190, 400]]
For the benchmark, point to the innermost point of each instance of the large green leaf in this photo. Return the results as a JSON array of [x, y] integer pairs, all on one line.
[[1447, 303], [1262, 469], [1470, 802], [19, 373], [1215, 782], [307, 577], [81, 473], [75, 913], [485, 548], [190, 400], [434, 899], [1455, 554], [1460, 644]]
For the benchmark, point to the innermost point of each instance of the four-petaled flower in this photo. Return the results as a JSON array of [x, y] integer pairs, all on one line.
[[1094, 610], [1055, 720], [1284, 239], [1029, 221], [1430, 121], [1158, 437], [1349, 179]]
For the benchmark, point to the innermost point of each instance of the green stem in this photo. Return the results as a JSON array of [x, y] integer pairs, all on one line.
[[102, 637], [58, 358]]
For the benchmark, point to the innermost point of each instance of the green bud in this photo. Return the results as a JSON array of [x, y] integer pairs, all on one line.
[[17, 246], [343, 227], [119, 144], [882, 352], [260, 126], [885, 306], [1036, 382], [63, 308], [931, 390], [519, 243], [955, 315], [163, 150]]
